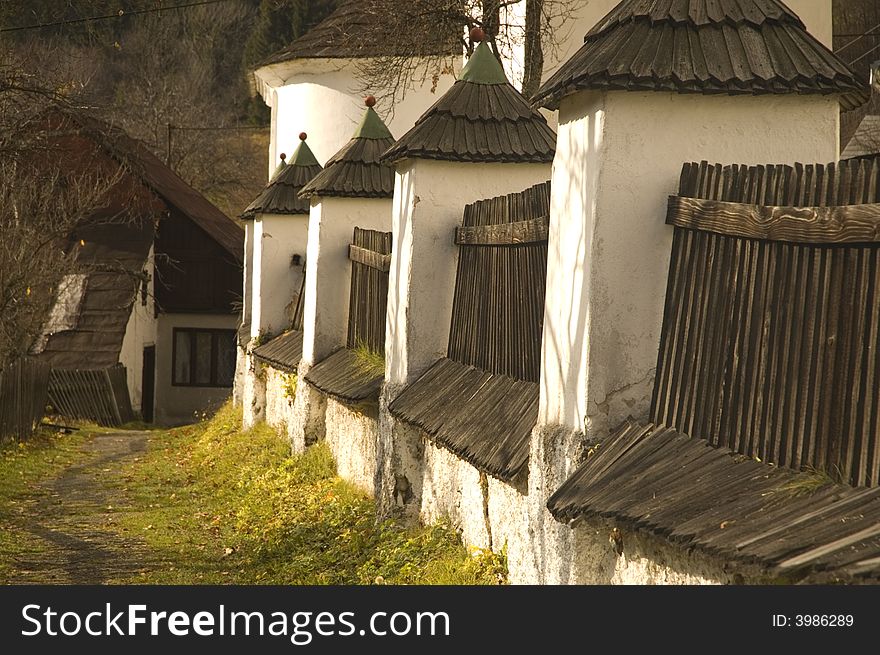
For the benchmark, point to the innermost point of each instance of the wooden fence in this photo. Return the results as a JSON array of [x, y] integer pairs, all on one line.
[[370, 254], [297, 323], [498, 312], [100, 396], [23, 392], [771, 335]]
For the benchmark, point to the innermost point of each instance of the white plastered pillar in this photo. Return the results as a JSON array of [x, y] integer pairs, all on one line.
[[619, 156], [429, 201], [275, 283], [328, 284]]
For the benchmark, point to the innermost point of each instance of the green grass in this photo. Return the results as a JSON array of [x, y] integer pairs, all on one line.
[[221, 505], [23, 466], [368, 360], [806, 483]]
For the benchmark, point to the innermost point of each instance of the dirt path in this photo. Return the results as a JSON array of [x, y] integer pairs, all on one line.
[[72, 516]]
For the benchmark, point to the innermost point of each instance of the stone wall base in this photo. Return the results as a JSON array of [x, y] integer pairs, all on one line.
[[353, 435], [306, 425]]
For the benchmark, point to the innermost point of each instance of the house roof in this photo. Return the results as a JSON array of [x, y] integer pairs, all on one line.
[[703, 46], [281, 195], [482, 118], [356, 171], [115, 256], [768, 520], [350, 32], [164, 182]]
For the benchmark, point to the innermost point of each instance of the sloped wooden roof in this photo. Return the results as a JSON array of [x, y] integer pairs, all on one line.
[[484, 418], [704, 46], [350, 33], [684, 490], [357, 171], [283, 352], [482, 118], [281, 195], [343, 376], [115, 256], [135, 156]]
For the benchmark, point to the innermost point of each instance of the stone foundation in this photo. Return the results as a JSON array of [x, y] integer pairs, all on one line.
[[353, 435], [241, 367], [281, 389], [253, 396], [635, 559], [306, 425]]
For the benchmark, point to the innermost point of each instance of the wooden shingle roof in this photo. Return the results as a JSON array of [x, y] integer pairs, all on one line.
[[482, 118], [484, 418], [343, 376], [356, 171], [281, 195], [769, 521], [283, 352], [156, 175], [704, 46], [350, 32]]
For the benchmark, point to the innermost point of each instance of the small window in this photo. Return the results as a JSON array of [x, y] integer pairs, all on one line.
[[203, 358]]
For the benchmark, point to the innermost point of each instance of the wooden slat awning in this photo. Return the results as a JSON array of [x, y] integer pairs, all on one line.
[[658, 480], [484, 418], [344, 376], [283, 352]]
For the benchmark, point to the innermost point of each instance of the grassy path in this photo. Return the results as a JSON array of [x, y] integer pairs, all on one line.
[[207, 504], [68, 520]]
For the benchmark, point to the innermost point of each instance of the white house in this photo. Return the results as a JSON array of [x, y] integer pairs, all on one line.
[[154, 313]]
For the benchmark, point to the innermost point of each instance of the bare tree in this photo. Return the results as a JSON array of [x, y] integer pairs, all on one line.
[[422, 39], [46, 195]]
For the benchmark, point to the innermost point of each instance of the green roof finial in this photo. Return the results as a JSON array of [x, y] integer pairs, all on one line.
[[371, 126], [483, 67], [303, 156], [281, 166]]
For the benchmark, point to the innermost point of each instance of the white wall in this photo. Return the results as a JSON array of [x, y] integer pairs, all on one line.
[[429, 200], [178, 405], [247, 271], [276, 282], [328, 276], [619, 157], [139, 332], [352, 433], [817, 16], [323, 97]]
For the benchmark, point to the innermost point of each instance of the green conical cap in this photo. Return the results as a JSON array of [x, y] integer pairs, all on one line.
[[483, 67], [372, 127], [278, 169], [303, 156]]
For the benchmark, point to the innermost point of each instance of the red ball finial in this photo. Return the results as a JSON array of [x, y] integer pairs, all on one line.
[[303, 136], [282, 156], [370, 101], [477, 34]]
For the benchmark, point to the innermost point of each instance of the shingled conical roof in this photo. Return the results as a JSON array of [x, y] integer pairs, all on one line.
[[356, 171], [350, 32], [281, 195], [482, 118], [704, 46]]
